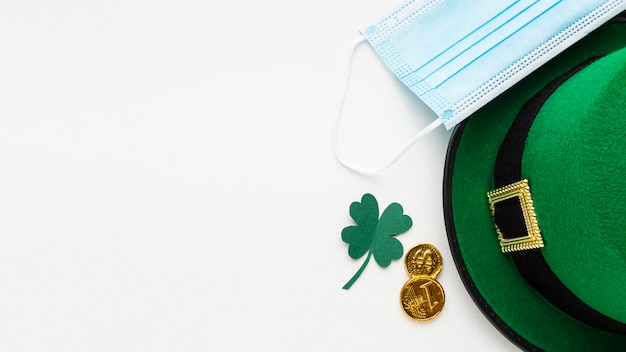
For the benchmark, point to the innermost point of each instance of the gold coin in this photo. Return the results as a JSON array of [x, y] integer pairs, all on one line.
[[423, 260], [422, 298]]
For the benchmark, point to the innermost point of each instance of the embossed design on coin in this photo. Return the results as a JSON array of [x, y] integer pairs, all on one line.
[[423, 260], [422, 298]]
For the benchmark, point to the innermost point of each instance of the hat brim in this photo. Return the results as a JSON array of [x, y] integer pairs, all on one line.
[[493, 281]]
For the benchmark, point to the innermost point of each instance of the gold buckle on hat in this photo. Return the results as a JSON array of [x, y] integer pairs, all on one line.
[[517, 242]]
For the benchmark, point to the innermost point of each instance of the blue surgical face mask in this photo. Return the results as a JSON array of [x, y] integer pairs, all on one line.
[[456, 56]]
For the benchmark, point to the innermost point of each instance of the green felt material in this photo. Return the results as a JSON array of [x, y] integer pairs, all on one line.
[[575, 160], [375, 236], [584, 203]]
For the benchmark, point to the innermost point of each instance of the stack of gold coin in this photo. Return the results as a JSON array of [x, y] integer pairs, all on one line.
[[422, 296]]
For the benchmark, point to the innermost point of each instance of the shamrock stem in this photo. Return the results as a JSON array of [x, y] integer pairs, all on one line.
[[358, 273]]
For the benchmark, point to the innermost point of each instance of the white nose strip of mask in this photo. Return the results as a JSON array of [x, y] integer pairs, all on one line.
[[456, 56]]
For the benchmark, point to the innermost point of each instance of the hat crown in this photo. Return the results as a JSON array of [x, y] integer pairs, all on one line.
[[575, 160]]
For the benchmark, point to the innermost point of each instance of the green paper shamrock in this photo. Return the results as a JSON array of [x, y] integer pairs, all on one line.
[[374, 236]]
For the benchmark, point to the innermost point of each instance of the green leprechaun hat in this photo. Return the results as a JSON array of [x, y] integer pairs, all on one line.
[[535, 201]]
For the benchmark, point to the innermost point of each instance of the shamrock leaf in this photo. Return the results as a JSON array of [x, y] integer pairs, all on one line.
[[374, 236]]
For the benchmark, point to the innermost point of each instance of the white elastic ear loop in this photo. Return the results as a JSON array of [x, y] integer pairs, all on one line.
[[339, 108]]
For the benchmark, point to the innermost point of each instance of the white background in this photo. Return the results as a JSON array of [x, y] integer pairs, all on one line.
[[167, 181]]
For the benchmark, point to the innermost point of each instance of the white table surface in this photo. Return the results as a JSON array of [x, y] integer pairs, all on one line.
[[167, 181]]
